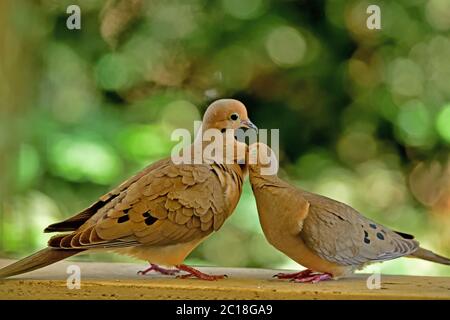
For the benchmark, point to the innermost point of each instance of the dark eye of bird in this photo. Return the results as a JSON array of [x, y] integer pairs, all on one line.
[[234, 116]]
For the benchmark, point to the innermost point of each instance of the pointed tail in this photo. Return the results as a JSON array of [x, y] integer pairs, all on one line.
[[425, 254], [37, 260]]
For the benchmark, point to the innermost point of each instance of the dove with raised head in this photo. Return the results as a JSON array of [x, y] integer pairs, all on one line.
[[162, 213]]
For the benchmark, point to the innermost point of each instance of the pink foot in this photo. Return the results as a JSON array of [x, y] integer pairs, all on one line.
[[194, 273], [313, 278], [156, 268], [303, 273]]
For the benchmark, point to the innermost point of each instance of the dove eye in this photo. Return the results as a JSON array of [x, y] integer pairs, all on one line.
[[234, 116]]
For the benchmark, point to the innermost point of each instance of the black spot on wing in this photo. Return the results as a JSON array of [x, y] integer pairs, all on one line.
[[123, 219], [380, 236], [150, 220], [405, 235], [366, 237]]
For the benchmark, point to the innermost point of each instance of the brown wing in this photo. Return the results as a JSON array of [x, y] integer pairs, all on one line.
[[340, 234], [167, 205], [73, 223]]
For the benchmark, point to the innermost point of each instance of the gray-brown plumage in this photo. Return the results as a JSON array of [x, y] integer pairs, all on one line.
[[161, 214], [322, 234]]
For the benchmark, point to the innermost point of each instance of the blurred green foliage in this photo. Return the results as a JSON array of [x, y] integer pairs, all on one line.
[[364, 115]]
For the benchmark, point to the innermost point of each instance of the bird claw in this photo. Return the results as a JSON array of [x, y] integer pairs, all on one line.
[[303, 273], [156, 268], [315, 278], [304, 276], [203, 276], [194, 273]]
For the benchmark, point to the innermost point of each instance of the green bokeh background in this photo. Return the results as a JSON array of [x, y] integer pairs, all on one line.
[[364, 115]]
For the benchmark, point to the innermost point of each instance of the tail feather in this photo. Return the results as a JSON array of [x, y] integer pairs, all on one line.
[[35, 261], [425, 254]]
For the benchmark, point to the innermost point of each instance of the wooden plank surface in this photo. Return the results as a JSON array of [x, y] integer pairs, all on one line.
[[120, 281]]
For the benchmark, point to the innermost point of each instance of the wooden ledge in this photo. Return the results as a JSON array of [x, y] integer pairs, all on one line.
[[120, 281]]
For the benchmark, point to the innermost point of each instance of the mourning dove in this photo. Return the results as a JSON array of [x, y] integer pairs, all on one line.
[[328, 237], [162, 213]]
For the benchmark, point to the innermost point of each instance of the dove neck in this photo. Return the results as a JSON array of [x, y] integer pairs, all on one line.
[[220, 148], [260, 180]]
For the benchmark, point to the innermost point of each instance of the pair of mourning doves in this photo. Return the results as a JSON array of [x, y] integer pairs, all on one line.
[[328, 237], [162, 213]]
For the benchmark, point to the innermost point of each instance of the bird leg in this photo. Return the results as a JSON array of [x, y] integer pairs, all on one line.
[[192, 272], [303, 273], [156, 268], [313, 278]]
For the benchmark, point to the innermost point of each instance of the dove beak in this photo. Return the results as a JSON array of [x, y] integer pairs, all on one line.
[[249, 125]]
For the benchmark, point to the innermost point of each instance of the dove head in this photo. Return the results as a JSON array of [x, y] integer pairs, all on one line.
[[226, 114], [262, 160]]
